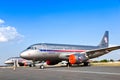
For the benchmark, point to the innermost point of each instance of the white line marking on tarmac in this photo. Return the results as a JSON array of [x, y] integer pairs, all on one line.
[[92, 72]]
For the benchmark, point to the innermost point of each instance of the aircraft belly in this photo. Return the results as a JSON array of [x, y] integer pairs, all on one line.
[[48, 56]]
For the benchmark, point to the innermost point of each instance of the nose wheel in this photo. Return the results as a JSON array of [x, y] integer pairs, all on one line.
[[68, 64], [33, 63], [42, 66]]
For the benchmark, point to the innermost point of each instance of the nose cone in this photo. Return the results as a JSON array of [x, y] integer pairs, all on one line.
[[8, 62], [24, 55], [29, 54]]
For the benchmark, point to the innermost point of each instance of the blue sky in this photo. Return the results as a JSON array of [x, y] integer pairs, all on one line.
[[24, 22]]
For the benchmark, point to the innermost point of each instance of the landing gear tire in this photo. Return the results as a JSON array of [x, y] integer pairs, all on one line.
[[30, 65], [86, 63], [42, 67]]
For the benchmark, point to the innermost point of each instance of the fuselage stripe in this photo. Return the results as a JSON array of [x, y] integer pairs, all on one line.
[[48, 50]]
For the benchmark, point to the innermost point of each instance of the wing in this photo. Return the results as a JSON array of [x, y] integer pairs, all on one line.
[[99, 52]]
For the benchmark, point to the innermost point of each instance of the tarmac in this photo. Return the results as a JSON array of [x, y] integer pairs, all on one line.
[[61, 73]]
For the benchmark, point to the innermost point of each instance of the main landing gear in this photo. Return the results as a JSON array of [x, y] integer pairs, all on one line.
[[86, 64]]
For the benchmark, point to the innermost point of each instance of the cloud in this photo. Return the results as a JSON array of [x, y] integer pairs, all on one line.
[[2, 21], [9, 34]]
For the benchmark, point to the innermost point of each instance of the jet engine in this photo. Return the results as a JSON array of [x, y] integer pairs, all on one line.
[[78, 58], [49, 62]]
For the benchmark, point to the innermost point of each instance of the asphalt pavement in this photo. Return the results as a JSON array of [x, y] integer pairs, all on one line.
[[61, 73]]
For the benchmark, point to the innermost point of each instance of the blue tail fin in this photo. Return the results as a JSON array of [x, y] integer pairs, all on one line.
[[105, 40]]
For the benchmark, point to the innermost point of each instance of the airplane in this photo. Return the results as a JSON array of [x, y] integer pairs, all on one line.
[[74, 54], [21, 62]]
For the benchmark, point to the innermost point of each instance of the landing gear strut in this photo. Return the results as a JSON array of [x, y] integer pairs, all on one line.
[[33, 63], [68, 64]]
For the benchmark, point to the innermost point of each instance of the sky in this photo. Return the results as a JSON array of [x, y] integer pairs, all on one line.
[[80, 22]]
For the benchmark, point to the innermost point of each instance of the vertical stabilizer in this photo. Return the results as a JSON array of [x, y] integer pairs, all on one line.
[[105, 40]]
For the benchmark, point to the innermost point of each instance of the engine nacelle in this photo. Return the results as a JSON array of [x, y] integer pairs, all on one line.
[[77, 58], [52, 62]]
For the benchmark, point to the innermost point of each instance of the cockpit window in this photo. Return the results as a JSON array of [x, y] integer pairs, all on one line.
[[29, 48], [33, 48]]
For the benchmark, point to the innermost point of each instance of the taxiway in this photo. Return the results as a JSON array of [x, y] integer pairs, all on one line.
[[61, 73]]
